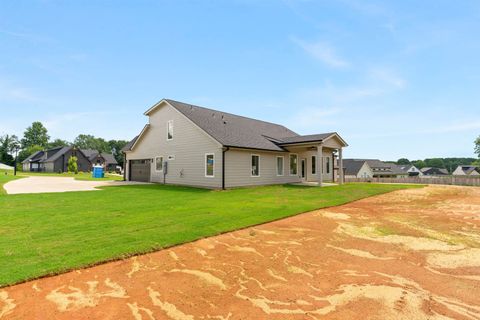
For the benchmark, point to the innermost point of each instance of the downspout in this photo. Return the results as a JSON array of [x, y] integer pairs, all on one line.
[[124, 166], [225, 149]]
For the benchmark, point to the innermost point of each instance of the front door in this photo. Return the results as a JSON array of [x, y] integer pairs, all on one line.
[[303, 170]]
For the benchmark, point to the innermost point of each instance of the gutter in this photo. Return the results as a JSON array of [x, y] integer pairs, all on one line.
[[224, 150]]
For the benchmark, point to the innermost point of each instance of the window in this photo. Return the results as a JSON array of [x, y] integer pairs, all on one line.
[[279, 166], [327, 164], [159, 163], [255, 165], [209, 165], [169, 129], [293, 164], [314, 164]]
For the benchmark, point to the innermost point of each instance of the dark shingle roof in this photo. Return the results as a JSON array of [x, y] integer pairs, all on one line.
[[352, 167], [232, 130], [129, 145], [235, 131], [306, 138]]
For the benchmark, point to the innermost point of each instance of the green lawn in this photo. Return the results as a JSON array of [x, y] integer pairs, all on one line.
[[49, 233], [5, 176]]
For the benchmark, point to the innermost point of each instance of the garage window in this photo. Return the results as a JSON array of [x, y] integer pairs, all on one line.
[[209, 165], [159, 163]]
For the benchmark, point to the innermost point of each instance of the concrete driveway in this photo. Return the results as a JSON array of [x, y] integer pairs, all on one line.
[[57, 184]]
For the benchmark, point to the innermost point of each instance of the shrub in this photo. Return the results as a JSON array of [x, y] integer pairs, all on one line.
[[72, 165]]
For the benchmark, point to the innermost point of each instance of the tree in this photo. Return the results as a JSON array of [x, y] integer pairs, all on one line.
[[477, 146], [58, 143], [419, 164], [87, 141], [403, 161], [435, 162], [116, 147], [8, 145], [72, 164], [35, 135]]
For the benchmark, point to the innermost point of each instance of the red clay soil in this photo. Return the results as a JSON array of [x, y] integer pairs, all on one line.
[[411, 254]]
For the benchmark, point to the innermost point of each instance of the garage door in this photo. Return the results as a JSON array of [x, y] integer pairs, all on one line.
[[140, 170]]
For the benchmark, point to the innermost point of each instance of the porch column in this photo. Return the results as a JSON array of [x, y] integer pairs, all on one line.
[[319, 164], [340, 165]]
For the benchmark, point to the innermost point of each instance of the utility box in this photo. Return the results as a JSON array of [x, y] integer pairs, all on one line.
[[97, 172]]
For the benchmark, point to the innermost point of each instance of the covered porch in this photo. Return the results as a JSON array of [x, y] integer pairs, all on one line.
[[319, 158]]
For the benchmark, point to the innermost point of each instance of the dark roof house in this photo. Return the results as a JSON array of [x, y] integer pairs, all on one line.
[[194, 133]]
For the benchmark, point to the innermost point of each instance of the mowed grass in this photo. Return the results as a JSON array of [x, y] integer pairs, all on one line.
[[6, 176], [49, 233]]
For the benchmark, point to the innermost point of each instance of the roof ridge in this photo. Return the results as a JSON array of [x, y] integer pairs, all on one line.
[[228, 113]]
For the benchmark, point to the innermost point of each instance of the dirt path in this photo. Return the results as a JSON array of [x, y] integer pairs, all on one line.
[[412, 254]]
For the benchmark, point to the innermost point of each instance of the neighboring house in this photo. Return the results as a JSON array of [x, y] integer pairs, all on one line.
[[384, 169], [357, 169], [410, 169], [5, 167], [191, 145], [466, 171], [55, 160], [106, 160], [433, 171]]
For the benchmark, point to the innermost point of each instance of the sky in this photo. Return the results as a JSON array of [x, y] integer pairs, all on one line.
[[394, 78]]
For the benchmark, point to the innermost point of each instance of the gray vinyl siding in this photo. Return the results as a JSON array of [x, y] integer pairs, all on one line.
[[238, 169], [189, 146], [61, 164]]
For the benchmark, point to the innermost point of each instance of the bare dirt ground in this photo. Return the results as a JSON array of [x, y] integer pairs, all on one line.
[[411, 254]]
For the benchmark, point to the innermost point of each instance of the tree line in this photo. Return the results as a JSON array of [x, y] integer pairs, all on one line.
[[36, 138]]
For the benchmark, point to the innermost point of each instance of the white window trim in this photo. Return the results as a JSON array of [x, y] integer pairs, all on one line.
[[314, 162], [251, 156], [327, 165], [283, 166], [205, 161], [168, 124], [156, 163], [289, 164]]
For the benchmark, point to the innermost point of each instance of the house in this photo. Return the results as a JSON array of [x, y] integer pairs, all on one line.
[[106, 160], [433, 171], [411, 170], [357, 169], [383, 169], [466, 171], [190, 145], [56, 160]]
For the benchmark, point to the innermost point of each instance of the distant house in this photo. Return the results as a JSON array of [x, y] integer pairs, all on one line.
[[383, 169], [433, 171], [411, 170], [106, 160], [357, 169], [466, 171], [56, 160]]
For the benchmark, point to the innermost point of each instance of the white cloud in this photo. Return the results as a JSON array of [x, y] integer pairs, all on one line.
[[323, 52], [387, 77]]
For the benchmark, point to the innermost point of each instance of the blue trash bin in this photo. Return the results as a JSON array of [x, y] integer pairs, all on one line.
[[97, 172]]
